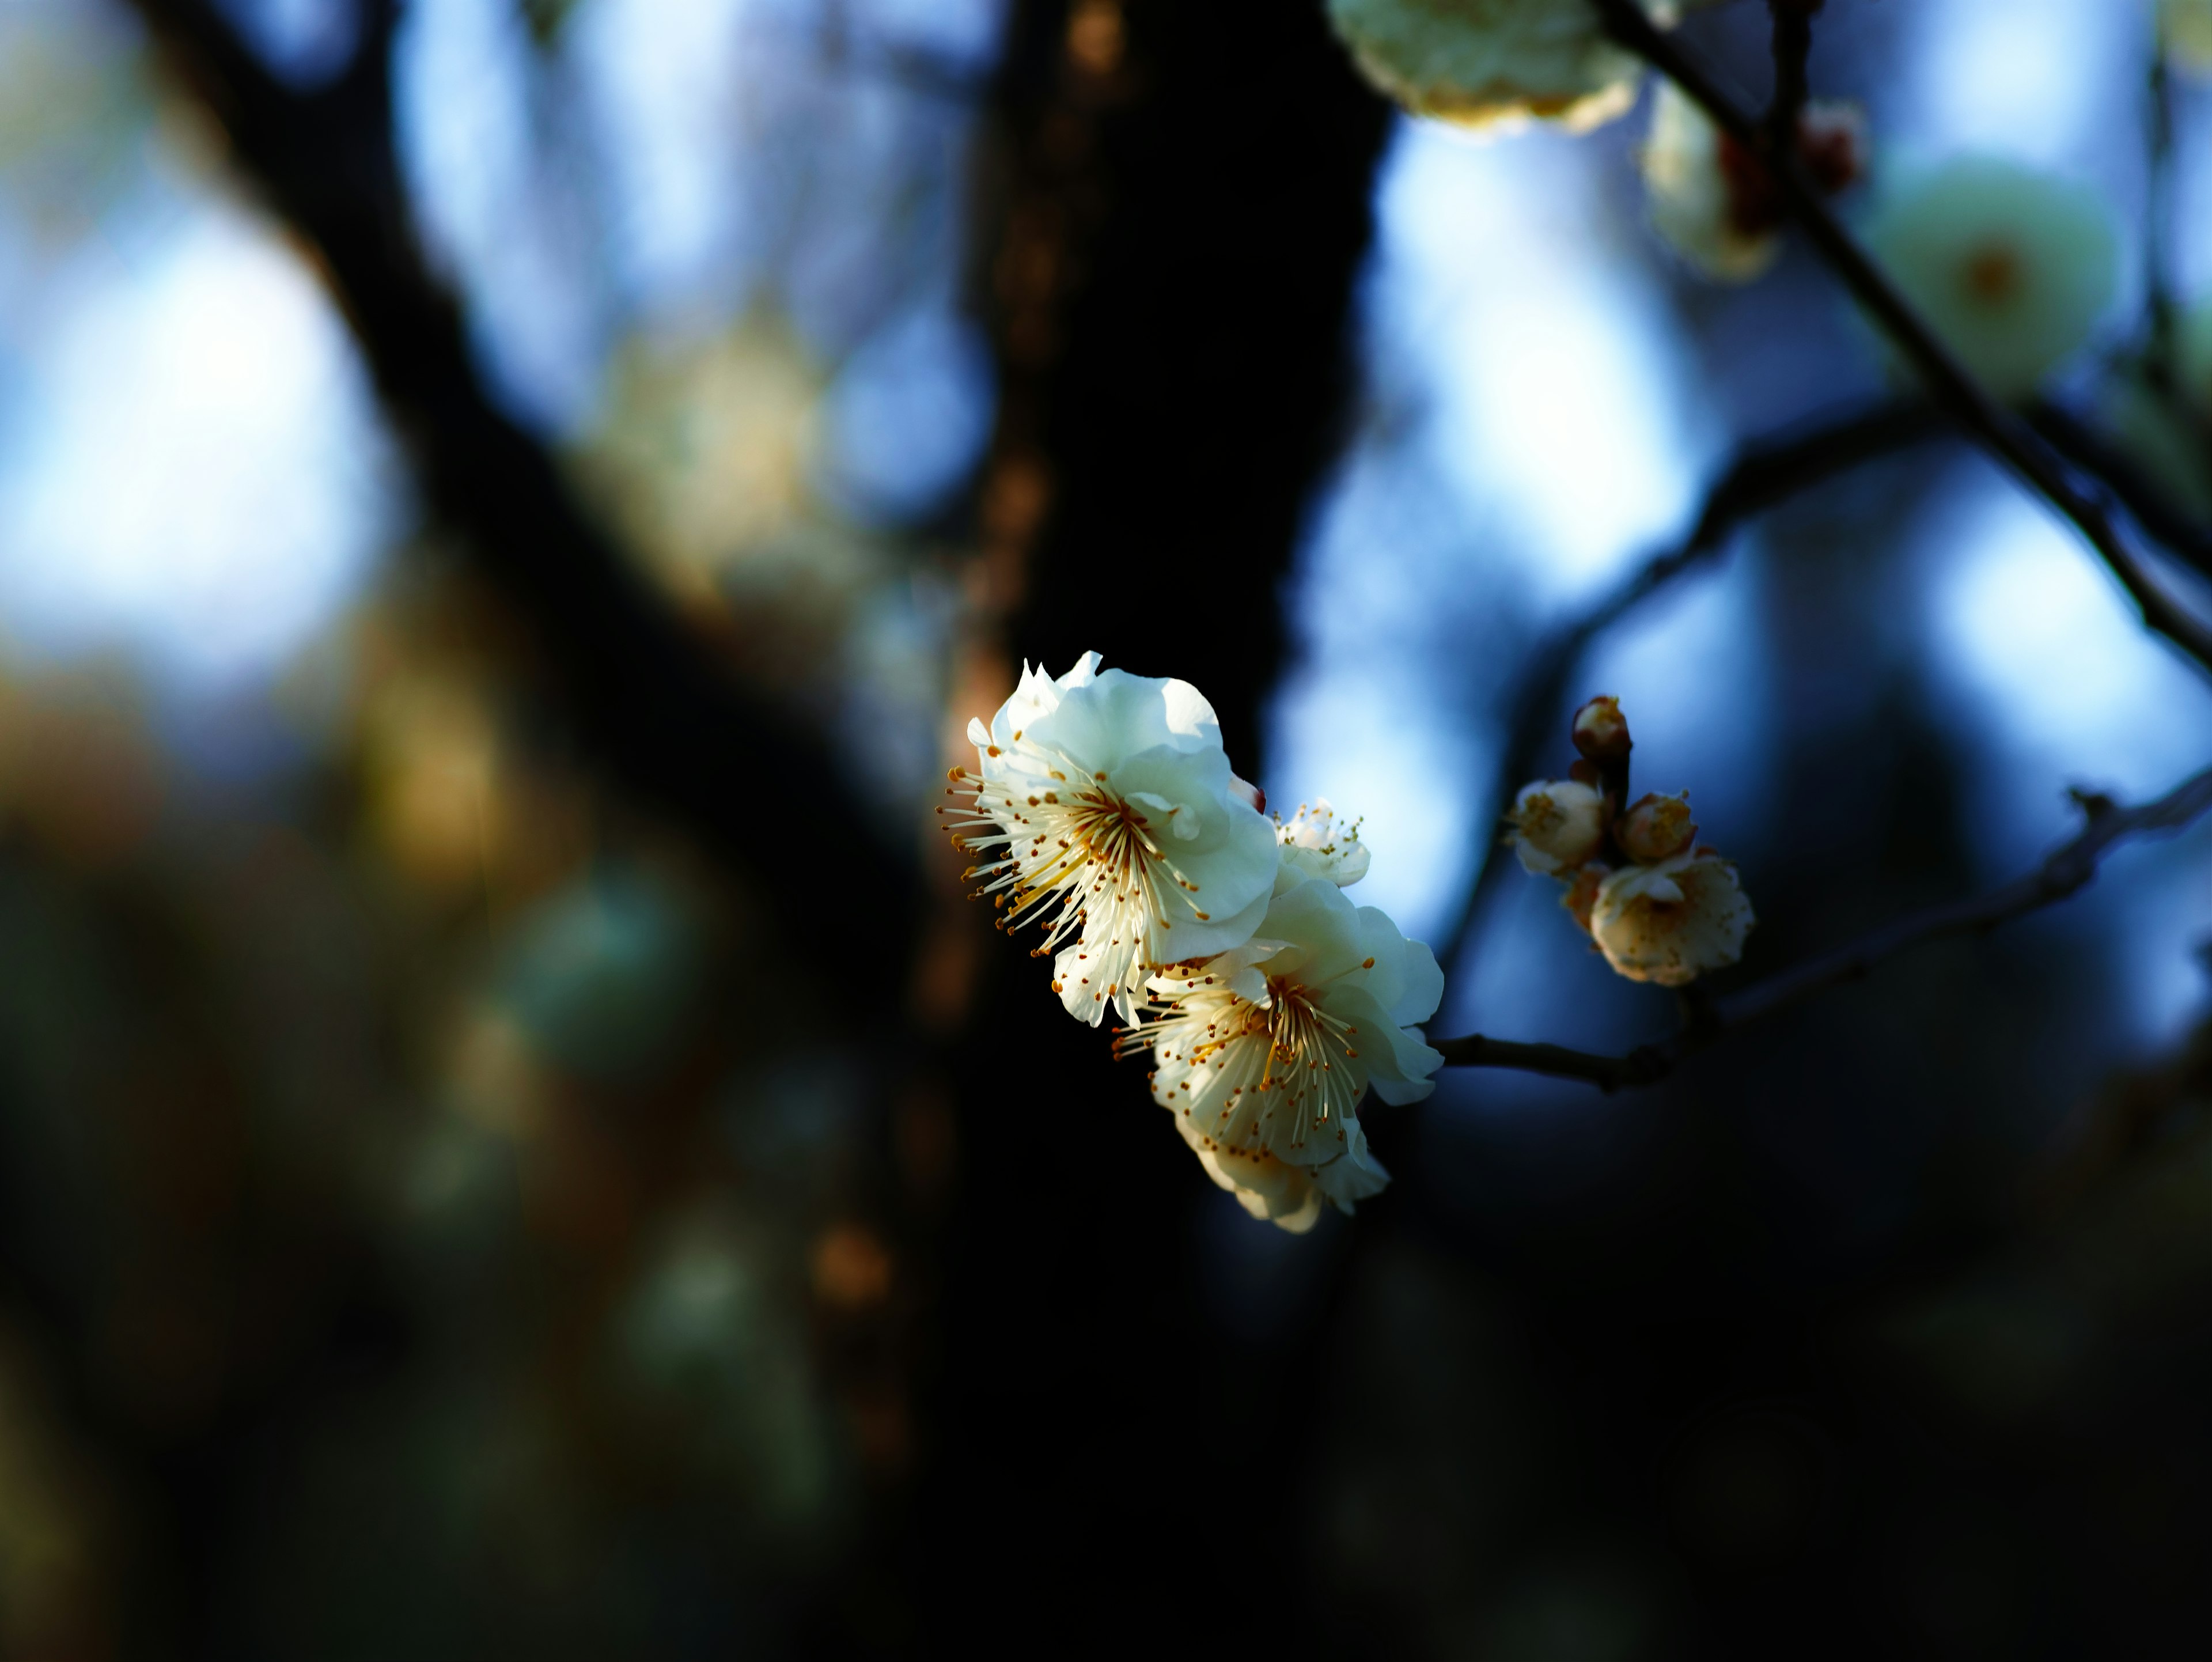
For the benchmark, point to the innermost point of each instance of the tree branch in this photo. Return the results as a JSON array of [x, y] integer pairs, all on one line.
[[1998, 429], [2064, 871], [1763, 475], [2148, 501], [1792, 51], [663, 715]]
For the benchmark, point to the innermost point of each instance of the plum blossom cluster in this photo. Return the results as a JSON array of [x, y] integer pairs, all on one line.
[[1661, 906], [1103, 809]]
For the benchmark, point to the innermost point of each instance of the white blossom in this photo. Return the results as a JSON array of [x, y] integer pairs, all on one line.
[[1671, 921], [1313, 843], [1481, 62], [1102, 808], [1264, 1052], [1657, 828], [1689, 196], [1557, 825], [1714, 202], [2012, 268]]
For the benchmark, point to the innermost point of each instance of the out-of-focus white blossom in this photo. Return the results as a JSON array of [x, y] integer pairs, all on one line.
[[2012, 268], [1314, 844], [1672, 922], [1490, 63], [1557, 825], [1714, 202], [2185, 29], [1264, 1052], [1691, 198], [1102, 806]]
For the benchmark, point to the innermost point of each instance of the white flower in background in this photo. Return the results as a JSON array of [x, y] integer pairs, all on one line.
[[1484, 62], [1103, 808], [1557, 825], [2169, 434], [2185, 27], [1713, 203], [2011, 267], [1694, 203], [1672, 922], [1313, 843], [1265, 1051]]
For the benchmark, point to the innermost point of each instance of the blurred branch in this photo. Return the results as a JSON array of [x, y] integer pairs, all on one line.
[[1763, 475], [2000, 429], [2149, 502], [1793, 50], [662, 714], [2158, 224], [2064, 871]]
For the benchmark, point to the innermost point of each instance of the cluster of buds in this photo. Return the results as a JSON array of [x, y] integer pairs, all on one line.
[[1102, 808], [1658, 904]]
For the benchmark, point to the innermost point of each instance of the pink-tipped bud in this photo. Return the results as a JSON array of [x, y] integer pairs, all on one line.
[[1250, 791], [1657, 828], [1832, 142], [1601, 732]]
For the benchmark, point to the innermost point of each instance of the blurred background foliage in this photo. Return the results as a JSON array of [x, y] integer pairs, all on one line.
[[453, 1207]]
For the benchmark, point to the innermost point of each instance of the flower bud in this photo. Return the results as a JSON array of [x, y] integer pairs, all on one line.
[[1601, 732], [1250, 792], [1557, 825], [1671, 922], [1581, 898], [1657, 828]]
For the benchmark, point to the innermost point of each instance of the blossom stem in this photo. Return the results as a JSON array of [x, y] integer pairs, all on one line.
[[1763, 475], [1998, 429], [1792, 51], [2064, 871]]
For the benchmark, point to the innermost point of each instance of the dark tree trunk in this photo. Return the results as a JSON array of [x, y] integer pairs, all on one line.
[[1188, 205]]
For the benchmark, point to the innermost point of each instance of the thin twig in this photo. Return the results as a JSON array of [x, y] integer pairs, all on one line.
[[2149, 503], [1792, 51], [2064, 871], [2158, 228], [1998, 428], [1762, 476]]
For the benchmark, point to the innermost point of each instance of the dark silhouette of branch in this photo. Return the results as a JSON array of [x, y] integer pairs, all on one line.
[[2064, 871], [662, 714], [2148, 501], [1763, 475], [1793, 50], [2000, 429]]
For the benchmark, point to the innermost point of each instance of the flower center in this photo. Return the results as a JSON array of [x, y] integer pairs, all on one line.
[[1993, 273]]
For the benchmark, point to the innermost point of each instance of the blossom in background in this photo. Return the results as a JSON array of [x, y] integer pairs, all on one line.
[[2185, 30], [2011, 267], [1556, 824], [1671, 921], [1712, 202], [2168, 432], [1481, 63], [1103, 808], [1264, 1053], [1312, 843]]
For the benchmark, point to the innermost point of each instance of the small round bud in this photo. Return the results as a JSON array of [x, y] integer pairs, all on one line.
[[1557, 825], [1600, 731], [1657, 828]]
